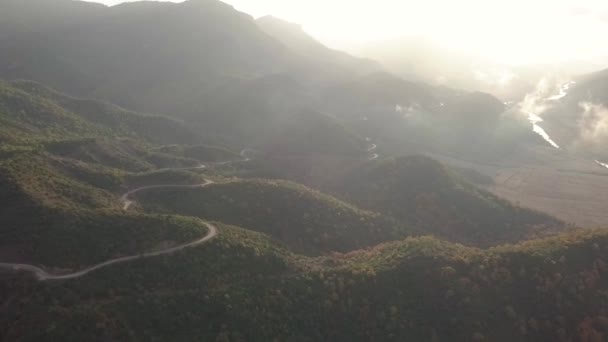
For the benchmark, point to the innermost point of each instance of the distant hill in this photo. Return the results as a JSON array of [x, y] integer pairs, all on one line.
[[419, 192], [370, 93], [314, 133], [274, 113], [210, 42], [475, 126], [592, 87], [405, 116], [422, 193], [200, 60], [32, 112], [295, 38], [234, 79]]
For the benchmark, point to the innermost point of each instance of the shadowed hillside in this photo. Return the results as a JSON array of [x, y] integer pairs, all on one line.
[[307, 221], [421, 192]]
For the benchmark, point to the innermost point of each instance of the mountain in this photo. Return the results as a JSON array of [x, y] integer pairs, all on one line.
[[213, 42], [375, 92], [296, 39], [308, 222], [186, 54], [592, 87], [238, 81], [31, 112], [410, 117], [417, 191], [273, 113], [423, 193], [200, 60], [476, 126]]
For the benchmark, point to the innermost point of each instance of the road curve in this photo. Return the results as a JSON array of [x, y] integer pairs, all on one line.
[[127, 202], [43, 275]]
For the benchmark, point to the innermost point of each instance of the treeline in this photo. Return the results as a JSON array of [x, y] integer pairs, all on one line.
[[243, 287]]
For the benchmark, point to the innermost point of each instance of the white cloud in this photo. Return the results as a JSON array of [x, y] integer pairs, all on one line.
[[593, 124]]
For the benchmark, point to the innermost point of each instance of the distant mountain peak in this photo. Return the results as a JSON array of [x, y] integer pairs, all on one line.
[[297, 39], [280, 23], [290, 34], [217, 3]]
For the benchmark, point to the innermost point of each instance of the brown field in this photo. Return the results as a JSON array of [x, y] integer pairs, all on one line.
[[570, 188]]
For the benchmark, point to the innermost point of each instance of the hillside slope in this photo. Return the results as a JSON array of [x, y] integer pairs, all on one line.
[[416, 190], [295, 38], [308, 222], [423, 193], [232, 78], [199, 60], [64, 163], [64, 213], [67, 162], [32, 112]]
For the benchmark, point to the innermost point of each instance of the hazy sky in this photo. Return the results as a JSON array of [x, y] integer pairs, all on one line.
[[512, 31]]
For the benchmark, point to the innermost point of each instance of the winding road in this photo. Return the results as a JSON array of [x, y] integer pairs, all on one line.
[[43, 275], [371, 149], [127, 202]]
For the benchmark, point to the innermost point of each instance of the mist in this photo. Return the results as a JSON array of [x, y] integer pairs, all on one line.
[[593, 126], [288, 170]]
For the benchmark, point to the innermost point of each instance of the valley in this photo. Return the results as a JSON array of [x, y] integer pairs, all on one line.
[[189, 172], [550, 181]]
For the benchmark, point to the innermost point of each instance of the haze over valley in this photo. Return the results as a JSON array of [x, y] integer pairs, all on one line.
[[303, 171]]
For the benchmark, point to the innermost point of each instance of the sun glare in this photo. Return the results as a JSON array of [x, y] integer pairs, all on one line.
[[515, 32], [512, 32]]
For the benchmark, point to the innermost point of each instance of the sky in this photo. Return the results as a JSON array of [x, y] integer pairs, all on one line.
[[507, 31]]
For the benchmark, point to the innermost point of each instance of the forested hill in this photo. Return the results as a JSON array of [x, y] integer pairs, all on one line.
[[422, 192], [243, 287], [418, 191], [31, 112]]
